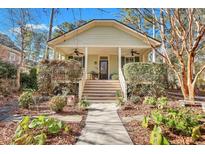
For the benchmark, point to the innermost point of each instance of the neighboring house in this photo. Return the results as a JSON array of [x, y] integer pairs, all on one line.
[[8, 51], [103, 47]]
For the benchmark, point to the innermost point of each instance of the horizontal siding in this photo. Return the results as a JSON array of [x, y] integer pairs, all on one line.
[[104, 35]]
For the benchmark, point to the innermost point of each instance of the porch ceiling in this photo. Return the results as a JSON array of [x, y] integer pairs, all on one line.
[[103, 50]]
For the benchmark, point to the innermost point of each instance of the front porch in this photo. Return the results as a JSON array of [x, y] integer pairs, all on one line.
[[102, 62]]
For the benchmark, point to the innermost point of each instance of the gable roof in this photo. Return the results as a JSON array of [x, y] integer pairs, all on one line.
[[6, 41], [112, 22]]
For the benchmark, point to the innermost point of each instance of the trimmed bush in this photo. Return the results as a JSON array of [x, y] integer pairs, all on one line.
[[50, 72], [146, 72], [26, 99], [57, 103], [146, 79], [115, 76]]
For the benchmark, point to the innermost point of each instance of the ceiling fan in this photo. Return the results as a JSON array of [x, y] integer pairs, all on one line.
[[134, 52], [78, 53]]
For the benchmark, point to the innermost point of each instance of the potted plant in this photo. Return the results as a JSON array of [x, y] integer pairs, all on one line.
[[94, 75]]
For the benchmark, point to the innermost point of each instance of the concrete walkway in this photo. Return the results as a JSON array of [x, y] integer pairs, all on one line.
[[103, 126]]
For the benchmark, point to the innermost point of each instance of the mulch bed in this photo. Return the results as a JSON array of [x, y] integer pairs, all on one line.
[[7, 129], [7, 100], [140, 135]]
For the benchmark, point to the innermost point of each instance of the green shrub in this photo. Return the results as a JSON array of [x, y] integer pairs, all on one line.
[[36, 131], [157, 138], [145, 121], [119, 97], [135, 99], [157, 102], [53, 71], [115, 76], [29, 80], [84, 103], [146, 79], [161, 102], [150, 100], [182, 120], [196, 133], [179, 120], [157, 117], [7, 70], [26, 99], [57, 103]]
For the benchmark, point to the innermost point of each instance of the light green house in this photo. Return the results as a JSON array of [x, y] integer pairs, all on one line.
[[103, 47]]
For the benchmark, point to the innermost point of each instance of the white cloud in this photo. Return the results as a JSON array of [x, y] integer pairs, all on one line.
[[32, 27]]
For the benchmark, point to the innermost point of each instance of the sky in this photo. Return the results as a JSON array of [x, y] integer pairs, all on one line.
[[41, 17]]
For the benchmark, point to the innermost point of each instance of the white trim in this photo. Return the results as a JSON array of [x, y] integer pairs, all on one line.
[[108, 46], [86, 62], [153, 56], [116, 23], [121, 76]]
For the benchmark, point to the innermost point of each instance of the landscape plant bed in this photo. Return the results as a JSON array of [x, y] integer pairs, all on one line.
[[7, 100], [8, 128], [7, 131], [141, 135]]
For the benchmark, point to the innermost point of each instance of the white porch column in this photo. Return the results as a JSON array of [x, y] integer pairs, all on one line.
[[59, 56], [119, 59], [153, 56], [55, 55], [86, 62]]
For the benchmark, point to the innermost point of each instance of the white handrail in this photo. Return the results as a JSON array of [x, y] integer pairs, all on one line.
[[123, 84], [81, 85]]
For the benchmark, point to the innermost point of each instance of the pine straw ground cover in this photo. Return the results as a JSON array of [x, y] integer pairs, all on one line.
[[140, 135], [7, 129]]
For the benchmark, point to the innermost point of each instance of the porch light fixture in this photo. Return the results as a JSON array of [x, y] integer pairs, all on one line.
[[78, 53], [133, 52]]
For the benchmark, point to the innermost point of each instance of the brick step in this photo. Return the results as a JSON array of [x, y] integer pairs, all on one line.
[[102, 101], [102, 86], [99, 94], [103, 81], [101, 98], [101, 89]]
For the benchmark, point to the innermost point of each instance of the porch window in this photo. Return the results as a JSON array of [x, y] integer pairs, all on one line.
[[129, 59], [81, 59]]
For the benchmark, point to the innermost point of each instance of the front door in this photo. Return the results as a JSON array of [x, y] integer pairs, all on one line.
[[103, 69]]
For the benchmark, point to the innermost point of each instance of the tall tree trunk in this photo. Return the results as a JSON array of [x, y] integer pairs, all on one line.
[[18, 76], [191, 92], [50, 32], [190, 70]]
